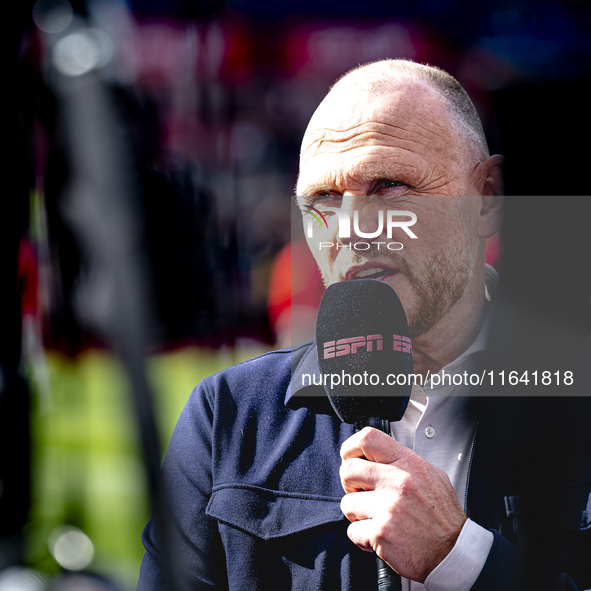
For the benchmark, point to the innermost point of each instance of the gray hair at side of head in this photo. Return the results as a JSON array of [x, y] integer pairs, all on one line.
[[462, 113]]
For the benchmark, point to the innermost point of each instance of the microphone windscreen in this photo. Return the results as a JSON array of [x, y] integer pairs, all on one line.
[[363, 343]]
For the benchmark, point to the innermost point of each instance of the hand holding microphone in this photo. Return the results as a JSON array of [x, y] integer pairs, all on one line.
[[400, 506]]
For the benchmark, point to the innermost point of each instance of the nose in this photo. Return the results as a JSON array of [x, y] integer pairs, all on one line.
[[364, 220]]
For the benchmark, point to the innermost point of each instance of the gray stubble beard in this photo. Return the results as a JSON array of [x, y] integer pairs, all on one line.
[[444, 283]]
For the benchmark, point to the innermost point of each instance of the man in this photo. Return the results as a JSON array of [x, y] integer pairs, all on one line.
[[253, 465]]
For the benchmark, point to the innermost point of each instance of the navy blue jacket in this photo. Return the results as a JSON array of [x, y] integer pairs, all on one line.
[[253, 475]]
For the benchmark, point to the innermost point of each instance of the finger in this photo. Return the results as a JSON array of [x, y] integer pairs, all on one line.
[[374, 445], [361, 475], [359, 532], [358, 475], [361, 505]]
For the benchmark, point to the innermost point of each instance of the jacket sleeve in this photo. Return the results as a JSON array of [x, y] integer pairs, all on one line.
[[187, 475]]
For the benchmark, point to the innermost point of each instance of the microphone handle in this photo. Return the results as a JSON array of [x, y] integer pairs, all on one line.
[[388, 578]]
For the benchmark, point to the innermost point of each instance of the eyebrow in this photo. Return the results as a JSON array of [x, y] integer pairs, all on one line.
[[368, 176]]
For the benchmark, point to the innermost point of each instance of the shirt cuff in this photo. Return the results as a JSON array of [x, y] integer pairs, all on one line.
[[459, 570]]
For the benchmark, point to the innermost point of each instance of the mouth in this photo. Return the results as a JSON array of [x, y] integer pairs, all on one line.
[[374, 272]]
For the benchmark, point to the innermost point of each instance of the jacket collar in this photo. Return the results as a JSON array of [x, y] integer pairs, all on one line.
[[302, 391]]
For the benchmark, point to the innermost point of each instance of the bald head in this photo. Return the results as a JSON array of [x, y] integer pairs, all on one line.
[[385, 78]]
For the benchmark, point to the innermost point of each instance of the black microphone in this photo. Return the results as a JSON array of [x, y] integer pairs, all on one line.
[[363, 342]]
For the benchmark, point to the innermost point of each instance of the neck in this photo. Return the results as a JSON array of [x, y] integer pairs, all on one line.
[[452, 335]]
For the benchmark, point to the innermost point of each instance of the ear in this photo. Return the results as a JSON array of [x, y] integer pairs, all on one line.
[[487, 181], [487, 176], [491, 215]]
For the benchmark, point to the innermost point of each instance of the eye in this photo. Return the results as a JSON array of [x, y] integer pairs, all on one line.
[[384, 184]]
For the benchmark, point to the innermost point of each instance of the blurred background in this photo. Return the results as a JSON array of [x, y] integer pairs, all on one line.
[[151, 154]]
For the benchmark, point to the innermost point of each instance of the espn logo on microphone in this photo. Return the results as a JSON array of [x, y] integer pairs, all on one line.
[[351, 345]]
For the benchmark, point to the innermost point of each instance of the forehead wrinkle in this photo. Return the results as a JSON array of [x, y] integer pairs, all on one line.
[[394, 150], [378, 128], [360, 140], [353, 128], [381, 152]]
